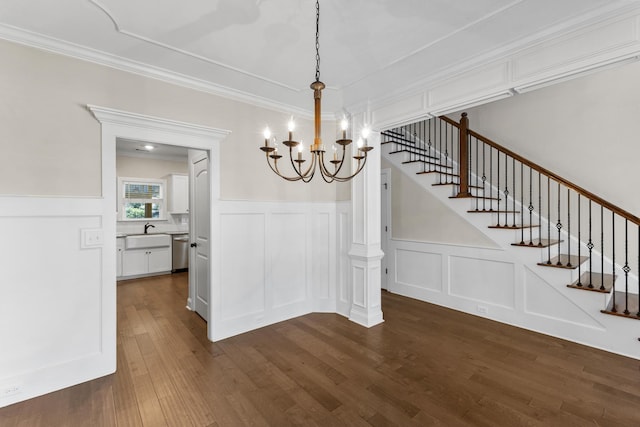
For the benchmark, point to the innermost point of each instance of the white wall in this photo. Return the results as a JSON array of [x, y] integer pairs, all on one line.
[[58, 303], [49, 138], [138, 167], [418, 216], [585, 130]]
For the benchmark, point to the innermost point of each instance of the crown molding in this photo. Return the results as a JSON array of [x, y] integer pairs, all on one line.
[[118, 117], [73, 50], [574, 27]]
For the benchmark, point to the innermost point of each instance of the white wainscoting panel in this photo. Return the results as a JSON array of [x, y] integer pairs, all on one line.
[[323, 270], [277, 261], [418, 269], [343, 236], [482, 280], [542, 299], [358, 292], [57, 298], [243, 290], [507, 286], [287, 255]]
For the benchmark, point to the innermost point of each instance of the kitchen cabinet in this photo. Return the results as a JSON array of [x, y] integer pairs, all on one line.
[[136, 262], [119, 251], [177, 194]]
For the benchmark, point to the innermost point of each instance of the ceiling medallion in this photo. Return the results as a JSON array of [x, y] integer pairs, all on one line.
[[317, 149]]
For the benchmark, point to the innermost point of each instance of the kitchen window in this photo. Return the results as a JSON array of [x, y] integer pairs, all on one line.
[[141, 199]]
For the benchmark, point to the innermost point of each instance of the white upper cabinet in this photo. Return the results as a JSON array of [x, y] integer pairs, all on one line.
[[178, 194]]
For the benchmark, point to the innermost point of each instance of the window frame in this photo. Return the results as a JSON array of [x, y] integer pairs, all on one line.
[[160, 201]]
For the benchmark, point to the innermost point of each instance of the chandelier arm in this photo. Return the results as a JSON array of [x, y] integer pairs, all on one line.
[[277, 171], [297, 169], [325, 172], [334, 174], [360, 167], [312, 166], [312, 169], [326, 176]]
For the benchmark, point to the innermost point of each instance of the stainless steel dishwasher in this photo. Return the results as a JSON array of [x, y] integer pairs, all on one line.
[[180, 253]]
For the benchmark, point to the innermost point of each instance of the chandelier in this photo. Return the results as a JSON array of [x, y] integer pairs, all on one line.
[[317, 149]]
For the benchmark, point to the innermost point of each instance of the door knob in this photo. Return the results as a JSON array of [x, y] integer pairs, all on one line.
[[194, 245]]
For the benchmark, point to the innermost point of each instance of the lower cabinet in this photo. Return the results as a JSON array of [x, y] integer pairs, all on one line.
[[145, 261]]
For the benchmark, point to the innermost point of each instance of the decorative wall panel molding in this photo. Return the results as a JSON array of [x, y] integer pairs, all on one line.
[[419, 269], [541, 299], [46, 271], [482, 280], [552, 60], [278, 261]]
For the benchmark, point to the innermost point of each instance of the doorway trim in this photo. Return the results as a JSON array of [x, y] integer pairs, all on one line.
[[123, 124]]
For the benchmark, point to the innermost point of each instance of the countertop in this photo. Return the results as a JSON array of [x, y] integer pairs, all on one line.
[[171, 233]]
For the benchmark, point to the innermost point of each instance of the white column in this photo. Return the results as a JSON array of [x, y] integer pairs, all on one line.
[[365, 250]]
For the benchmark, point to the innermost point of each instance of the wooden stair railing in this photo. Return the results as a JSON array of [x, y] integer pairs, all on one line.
[[548, 211]]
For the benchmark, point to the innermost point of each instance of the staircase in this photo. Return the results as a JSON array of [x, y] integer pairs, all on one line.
[[548, 221]]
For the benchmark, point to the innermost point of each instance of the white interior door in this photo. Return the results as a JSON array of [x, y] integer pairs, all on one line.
[[385, 227], [199, 233]]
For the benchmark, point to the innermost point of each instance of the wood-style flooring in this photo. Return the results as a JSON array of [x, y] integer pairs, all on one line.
[[426, 365]]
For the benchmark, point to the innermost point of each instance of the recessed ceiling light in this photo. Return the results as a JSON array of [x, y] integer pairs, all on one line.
[[149, 147]]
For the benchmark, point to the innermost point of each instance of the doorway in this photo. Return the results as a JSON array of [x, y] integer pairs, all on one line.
[[121, 124], [178, 208]]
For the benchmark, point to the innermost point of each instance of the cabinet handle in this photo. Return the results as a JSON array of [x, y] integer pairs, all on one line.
[[194, 245]]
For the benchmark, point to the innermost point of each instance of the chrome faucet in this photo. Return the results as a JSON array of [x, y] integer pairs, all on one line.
[[146, 227]]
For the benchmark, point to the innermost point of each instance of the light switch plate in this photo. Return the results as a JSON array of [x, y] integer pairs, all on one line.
[[92, 238]]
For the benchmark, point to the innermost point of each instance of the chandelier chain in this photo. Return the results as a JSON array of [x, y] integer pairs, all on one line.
[[317, 40]]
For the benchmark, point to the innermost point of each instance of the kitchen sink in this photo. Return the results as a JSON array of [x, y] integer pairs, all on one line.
[[147, 241]]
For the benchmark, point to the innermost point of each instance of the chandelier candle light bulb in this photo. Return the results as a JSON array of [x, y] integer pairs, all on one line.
[[316, 149], [267, 136], [291, 126], [344, 125]]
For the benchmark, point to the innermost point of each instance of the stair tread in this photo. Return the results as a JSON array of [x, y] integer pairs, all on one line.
[[563, 260], [633, 306], [513, 227], [410, 146], [595, 279], [491, 211], [440, 172], [472, 196], [537, 243], [390, 132], [455, 183], [426, 162], [418, 152], [397, 139]]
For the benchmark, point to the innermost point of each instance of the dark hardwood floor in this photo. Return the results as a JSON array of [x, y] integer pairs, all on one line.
[[426, 365]]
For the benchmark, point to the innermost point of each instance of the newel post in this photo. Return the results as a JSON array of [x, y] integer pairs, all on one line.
[[463, 163]]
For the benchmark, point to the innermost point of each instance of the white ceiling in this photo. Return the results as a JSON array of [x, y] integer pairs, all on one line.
[[265, 48], [131, 148]]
